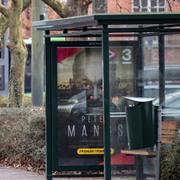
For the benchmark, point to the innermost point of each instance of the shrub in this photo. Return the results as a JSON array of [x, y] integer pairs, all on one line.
[[170, 161], [22, 137]]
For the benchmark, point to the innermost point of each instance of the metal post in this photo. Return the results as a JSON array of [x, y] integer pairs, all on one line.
[[48, 111], [106, 128], [140, 66], [139, 167], [158, 144], [37, 60], [161, 70], [161, 97]]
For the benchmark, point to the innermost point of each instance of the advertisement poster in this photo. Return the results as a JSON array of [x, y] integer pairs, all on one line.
[[80, 102]]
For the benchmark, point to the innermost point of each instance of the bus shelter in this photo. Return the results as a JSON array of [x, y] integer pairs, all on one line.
[[92, 63]]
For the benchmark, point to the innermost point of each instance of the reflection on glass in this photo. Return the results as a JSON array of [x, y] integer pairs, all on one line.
[[122, 83], [171, 102]]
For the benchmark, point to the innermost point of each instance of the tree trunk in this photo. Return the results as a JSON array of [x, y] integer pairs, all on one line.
[[37, 58], [18, 56]]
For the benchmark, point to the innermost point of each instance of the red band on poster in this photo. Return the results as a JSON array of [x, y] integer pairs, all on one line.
[[63, 53]]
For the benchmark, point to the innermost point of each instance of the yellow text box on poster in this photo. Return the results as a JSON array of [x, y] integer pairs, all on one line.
[[91, 151]]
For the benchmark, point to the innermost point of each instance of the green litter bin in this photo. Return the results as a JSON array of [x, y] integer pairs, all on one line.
[[141, 119]]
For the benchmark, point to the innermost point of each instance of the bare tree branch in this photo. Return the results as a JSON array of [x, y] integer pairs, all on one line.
[[4, 10], [26, 4], [60, 8], [170, 6]]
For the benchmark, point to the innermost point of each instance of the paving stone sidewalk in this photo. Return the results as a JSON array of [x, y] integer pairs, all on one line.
[[18, 174], [7, 173]]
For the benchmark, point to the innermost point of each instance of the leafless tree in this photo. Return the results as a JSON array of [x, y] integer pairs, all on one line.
[[11, 19]]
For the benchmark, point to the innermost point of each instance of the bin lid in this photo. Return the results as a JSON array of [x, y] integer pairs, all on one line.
[[139, 99]]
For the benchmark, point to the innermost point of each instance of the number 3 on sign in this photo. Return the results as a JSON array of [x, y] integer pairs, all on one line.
[[126, 56]]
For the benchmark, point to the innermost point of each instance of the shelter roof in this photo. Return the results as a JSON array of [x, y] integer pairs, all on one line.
[[94, 24]]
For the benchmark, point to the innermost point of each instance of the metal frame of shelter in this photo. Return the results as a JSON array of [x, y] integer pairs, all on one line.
[[102, 26]]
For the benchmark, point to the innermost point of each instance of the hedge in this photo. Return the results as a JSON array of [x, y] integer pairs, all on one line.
[[22, 137]]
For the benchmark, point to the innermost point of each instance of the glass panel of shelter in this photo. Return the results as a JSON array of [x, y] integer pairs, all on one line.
[[126, 79], [149, 83], [171, 103], [122, 83]]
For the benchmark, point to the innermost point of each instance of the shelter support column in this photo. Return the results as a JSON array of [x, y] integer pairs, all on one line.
[[140, 65], [158, 151], [106, 128], [161, 70], [161, 97], [139, 167], [48, 111]]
